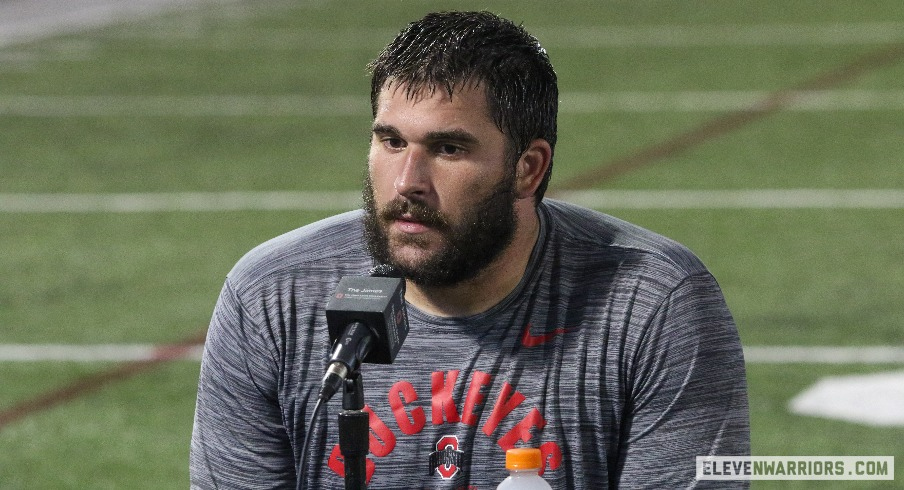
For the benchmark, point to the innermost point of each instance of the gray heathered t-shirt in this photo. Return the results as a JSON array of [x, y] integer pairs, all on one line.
[[616, 356]]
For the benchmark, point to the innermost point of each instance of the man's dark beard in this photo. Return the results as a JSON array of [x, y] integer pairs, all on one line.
[[468, 248]]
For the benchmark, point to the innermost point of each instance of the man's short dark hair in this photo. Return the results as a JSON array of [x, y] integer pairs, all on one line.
[[452, 50]]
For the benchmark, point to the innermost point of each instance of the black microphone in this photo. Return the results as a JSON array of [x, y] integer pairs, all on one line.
[[367, 322]]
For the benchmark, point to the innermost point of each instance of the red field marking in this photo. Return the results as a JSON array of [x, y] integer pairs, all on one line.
[[94, 382], [731, 121]]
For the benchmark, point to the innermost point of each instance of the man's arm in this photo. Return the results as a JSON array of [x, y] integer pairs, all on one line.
[[238, 440], [689, 393]]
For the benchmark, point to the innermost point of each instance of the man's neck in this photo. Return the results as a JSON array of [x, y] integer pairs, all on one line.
[[490, 286]]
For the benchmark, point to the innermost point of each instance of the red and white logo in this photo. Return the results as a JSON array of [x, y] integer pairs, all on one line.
[[446, 460]]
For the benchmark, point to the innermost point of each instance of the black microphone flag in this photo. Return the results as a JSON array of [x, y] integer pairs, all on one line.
[[367, 322]]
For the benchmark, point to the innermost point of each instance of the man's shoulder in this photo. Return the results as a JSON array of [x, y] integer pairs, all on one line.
[[335, 243], [586, 231]]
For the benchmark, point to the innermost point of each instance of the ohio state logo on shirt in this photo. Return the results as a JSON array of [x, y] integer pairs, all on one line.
[[499, 414], [446, 460]]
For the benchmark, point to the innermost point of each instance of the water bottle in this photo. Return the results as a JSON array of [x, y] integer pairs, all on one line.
[[524, 465]]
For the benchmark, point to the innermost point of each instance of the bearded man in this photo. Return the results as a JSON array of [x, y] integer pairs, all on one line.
[[533, 322]]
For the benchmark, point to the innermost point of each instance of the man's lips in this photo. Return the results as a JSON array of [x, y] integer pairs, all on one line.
[[410, 225]]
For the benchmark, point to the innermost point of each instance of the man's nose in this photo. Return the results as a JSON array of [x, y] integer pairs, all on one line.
[[413, 178]]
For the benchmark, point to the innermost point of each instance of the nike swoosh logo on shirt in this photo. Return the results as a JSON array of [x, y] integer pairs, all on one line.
[[529, 340]]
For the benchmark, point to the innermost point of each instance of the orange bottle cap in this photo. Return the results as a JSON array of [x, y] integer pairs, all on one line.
[[525, 458]]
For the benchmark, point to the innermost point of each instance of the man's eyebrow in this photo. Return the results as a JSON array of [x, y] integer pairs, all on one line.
[[459, 136], [452, 136], [379, 128]]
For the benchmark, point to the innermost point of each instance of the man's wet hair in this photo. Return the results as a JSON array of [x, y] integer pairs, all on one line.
[[456, 50]]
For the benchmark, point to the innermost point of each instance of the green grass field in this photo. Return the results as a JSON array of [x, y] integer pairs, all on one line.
[[218, 98]]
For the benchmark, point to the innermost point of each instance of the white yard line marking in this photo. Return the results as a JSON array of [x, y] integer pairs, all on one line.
[[93, 353], [23, 21], [559, 37], [738, 199], [359, 105], [346, 200], [722, 35], [184, 106], [732, 100], [881, 354], [179, 201]]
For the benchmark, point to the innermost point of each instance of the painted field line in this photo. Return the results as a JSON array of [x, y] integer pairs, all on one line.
[[875, 399], [559, 37], [94, 353], [347, 200], [881, 354], [737, 199], [179, 201], [184, 105], [732, 100], [23, 21], [830, 34], [298, 105], [732, 121], [95, 381]]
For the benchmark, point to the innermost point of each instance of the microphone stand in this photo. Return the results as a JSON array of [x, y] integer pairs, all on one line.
[[354, 433]]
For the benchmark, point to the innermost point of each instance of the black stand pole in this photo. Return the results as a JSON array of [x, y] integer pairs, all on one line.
[[354, 433]]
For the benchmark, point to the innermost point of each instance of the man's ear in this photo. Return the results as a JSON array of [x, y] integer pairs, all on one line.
[[532, 167]]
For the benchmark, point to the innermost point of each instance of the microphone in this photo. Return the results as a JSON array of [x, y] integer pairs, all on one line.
[[367, 322]]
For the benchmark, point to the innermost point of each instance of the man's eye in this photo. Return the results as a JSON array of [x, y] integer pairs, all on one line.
[[393, 143], [448, 149]]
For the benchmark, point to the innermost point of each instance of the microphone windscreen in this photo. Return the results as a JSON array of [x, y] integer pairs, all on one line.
[[376, 301]]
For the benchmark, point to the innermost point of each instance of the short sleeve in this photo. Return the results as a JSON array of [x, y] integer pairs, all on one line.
[[239, 439], [688, 393]]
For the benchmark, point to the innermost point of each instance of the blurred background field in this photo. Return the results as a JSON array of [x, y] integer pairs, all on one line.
[[241, 96]]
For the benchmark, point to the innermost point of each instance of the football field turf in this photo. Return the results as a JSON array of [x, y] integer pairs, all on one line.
[[140, 159]]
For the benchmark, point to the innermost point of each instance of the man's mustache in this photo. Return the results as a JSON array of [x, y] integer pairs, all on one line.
[[418, 211]]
